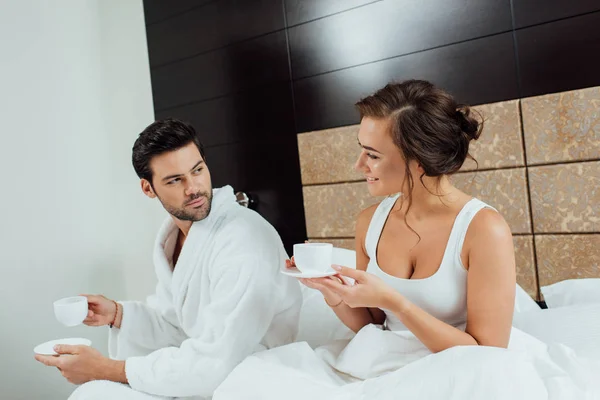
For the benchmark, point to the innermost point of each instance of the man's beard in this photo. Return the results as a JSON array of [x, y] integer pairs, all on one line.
[[194, 215]]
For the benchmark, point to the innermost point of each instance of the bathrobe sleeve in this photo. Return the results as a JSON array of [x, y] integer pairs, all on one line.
[[229, 327], [146, 327]]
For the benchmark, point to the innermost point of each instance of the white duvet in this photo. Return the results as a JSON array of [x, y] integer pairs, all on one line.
[[378, 364]]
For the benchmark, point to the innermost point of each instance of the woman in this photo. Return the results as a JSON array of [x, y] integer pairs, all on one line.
[[432, 258], [435, 267]]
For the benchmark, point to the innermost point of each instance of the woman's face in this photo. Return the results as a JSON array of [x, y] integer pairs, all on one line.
[[381, 161]]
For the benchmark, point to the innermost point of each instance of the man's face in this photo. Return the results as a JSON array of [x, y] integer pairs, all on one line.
[[181, 181]]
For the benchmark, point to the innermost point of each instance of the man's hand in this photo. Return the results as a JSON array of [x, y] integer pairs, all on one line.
[[81, 364], [101, 311]]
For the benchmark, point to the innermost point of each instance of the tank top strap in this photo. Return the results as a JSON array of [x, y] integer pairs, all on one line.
[[377, 223], [461, 225]]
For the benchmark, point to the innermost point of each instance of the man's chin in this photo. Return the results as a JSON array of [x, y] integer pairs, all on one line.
[[200, 213], [189, 216]]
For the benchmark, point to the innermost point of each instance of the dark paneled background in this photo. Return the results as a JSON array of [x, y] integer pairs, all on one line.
[[251, 74]]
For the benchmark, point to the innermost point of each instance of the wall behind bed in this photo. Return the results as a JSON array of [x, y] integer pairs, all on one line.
[[75, 94], [539, 165]]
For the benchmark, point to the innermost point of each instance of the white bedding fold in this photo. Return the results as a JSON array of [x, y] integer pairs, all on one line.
[[379, 364]]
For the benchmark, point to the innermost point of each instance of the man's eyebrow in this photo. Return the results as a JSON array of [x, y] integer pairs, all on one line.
[[166, 178]]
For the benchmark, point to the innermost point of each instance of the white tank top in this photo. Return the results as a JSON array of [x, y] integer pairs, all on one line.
[[444, 294]]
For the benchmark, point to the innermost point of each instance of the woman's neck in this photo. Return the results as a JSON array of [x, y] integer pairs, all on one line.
[[430, 196]]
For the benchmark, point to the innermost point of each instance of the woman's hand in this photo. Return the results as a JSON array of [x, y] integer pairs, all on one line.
[[319, 284], [368, 290]]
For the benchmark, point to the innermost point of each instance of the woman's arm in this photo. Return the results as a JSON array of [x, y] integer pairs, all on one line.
[[491, 283], [357, 318]]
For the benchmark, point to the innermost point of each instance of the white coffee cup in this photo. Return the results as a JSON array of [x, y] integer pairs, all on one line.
[[71, 311], [313, 257]]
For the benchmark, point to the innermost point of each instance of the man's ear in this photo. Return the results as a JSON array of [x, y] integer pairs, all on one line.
[[147, 188]]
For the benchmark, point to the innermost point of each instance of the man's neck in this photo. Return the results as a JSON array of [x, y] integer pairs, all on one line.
[[184, 226]]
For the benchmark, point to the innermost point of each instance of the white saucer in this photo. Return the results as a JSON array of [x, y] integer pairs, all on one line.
[[296, 273], [47, 349]]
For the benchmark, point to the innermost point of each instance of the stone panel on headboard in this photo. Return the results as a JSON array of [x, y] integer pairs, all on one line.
[[331, 210], [328, 156], [500, 144], [562, 126], [566, 197], [563, 257], [525, 261], [503, 189]]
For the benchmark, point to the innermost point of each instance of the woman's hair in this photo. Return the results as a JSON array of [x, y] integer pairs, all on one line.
[[427, 125]]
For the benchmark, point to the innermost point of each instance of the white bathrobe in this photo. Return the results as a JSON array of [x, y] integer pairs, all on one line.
[[224, 301]]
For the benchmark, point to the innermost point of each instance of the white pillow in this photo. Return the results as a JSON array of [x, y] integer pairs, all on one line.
[[572, 292], [577, 327], [344, 257], [318, 323]]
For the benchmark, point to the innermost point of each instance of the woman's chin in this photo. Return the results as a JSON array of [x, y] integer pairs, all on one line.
[[376, 189]]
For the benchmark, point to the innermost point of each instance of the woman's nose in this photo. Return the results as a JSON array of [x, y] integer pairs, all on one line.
[[359, 164]]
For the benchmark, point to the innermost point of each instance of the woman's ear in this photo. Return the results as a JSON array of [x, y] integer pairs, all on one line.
[[147, 188], [417, 167]]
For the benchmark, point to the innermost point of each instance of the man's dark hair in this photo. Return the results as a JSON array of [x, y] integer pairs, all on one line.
[[158, 138]]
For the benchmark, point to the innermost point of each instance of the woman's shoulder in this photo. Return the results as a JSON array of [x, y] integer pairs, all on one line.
[[385, 204], [488, 225], [364, 219]]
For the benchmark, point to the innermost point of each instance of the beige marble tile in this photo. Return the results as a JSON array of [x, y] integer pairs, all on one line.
[[331, 210], [526, 274], [504, 189], [562, 126], [561, 257], [500, 143], [329, 155], [566, 198]]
